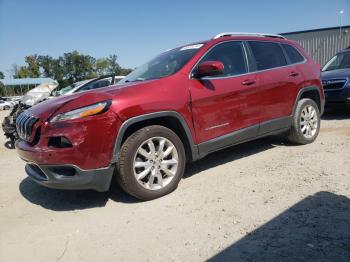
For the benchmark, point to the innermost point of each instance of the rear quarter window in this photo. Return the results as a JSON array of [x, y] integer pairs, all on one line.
[[293, 54], [267, 54]]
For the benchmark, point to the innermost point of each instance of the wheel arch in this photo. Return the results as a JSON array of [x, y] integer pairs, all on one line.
[[170, 119], [312, 92]]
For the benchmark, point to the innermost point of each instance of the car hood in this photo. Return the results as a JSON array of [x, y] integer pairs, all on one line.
[[339, 73], [65, 103]]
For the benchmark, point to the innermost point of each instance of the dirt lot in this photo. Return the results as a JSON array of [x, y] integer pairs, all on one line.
[[260, 201]]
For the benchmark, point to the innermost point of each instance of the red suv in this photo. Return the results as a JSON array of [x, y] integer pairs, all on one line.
[[179, 107]]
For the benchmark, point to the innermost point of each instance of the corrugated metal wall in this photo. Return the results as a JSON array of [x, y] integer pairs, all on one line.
[[323, 44]]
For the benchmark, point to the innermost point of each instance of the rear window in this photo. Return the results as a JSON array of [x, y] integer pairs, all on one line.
[[267, 55], [293, 54]]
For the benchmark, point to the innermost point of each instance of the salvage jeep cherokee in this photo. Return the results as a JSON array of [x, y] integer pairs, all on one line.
[[182, 105]]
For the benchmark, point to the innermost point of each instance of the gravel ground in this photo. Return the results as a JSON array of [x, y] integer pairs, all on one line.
[[260, 201]]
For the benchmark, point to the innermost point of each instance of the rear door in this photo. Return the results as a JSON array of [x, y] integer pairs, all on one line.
[[297, 67], [228, 102], [277, 83]]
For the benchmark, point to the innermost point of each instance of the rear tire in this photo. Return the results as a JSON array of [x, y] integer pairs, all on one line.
[[6, 107], [151, 162], [306, 122]]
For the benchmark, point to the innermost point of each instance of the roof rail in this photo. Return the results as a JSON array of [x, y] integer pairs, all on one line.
[[248, 34]]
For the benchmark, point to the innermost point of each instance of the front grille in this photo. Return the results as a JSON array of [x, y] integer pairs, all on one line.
[[24, 126], [333, 84]]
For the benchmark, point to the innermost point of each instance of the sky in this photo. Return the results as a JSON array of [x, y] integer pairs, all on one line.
[[136, 31]]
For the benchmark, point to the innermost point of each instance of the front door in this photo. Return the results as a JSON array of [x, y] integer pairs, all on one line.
[[228, 102]]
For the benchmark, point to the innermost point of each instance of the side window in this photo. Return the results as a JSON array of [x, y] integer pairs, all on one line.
[[293, 54], [345, 62], [267, 54], [231, 54]]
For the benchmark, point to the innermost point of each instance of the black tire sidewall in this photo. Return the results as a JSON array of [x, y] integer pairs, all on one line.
[[131, 185]]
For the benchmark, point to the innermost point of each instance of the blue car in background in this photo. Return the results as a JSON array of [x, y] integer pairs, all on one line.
[[336, 79]]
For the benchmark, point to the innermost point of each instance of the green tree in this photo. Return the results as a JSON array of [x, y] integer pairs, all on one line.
[[46, 64], [51, 67], [114, 67], [2, 76], [78, 67], [2, 89], [102, 66], [68, 68], [32, 66], [22, 72], [58, 72], [30, 70]]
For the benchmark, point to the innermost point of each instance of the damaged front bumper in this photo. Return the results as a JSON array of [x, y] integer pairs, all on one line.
[[70, 177], [79, 161]]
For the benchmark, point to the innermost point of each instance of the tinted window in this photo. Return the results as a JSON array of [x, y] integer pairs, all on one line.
[[267, 54], [340, 61], [293, 55], [231, 54]]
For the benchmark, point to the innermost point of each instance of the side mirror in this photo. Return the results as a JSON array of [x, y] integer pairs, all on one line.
[[209, 68]]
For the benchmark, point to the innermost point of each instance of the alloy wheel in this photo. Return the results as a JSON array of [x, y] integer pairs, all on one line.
[[308, 121], [155, 163]]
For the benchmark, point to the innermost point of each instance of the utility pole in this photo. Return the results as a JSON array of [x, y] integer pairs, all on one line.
[[341, 12]]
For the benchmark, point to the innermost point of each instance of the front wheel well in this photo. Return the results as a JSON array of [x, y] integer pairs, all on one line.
[[170, 122]]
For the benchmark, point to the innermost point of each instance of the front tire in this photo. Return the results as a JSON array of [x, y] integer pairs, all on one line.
[[151, 162], [306, 122]]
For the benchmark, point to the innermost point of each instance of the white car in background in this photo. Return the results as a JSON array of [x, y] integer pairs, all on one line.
[[4, 105], [89, 84]]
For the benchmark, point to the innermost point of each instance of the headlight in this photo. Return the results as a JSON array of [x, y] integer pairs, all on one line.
[[85, 111]]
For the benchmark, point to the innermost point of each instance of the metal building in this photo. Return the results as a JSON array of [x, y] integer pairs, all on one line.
[[20, 86], [322, 44]]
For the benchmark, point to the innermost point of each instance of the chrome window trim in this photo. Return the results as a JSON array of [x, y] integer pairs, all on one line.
[[246, 58]]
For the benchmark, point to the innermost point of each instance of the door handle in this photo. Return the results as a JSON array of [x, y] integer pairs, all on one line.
[[293, 73], [248, 82]]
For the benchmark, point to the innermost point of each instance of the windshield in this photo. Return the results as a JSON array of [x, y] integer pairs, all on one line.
[[340, 61], [166, 64]]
